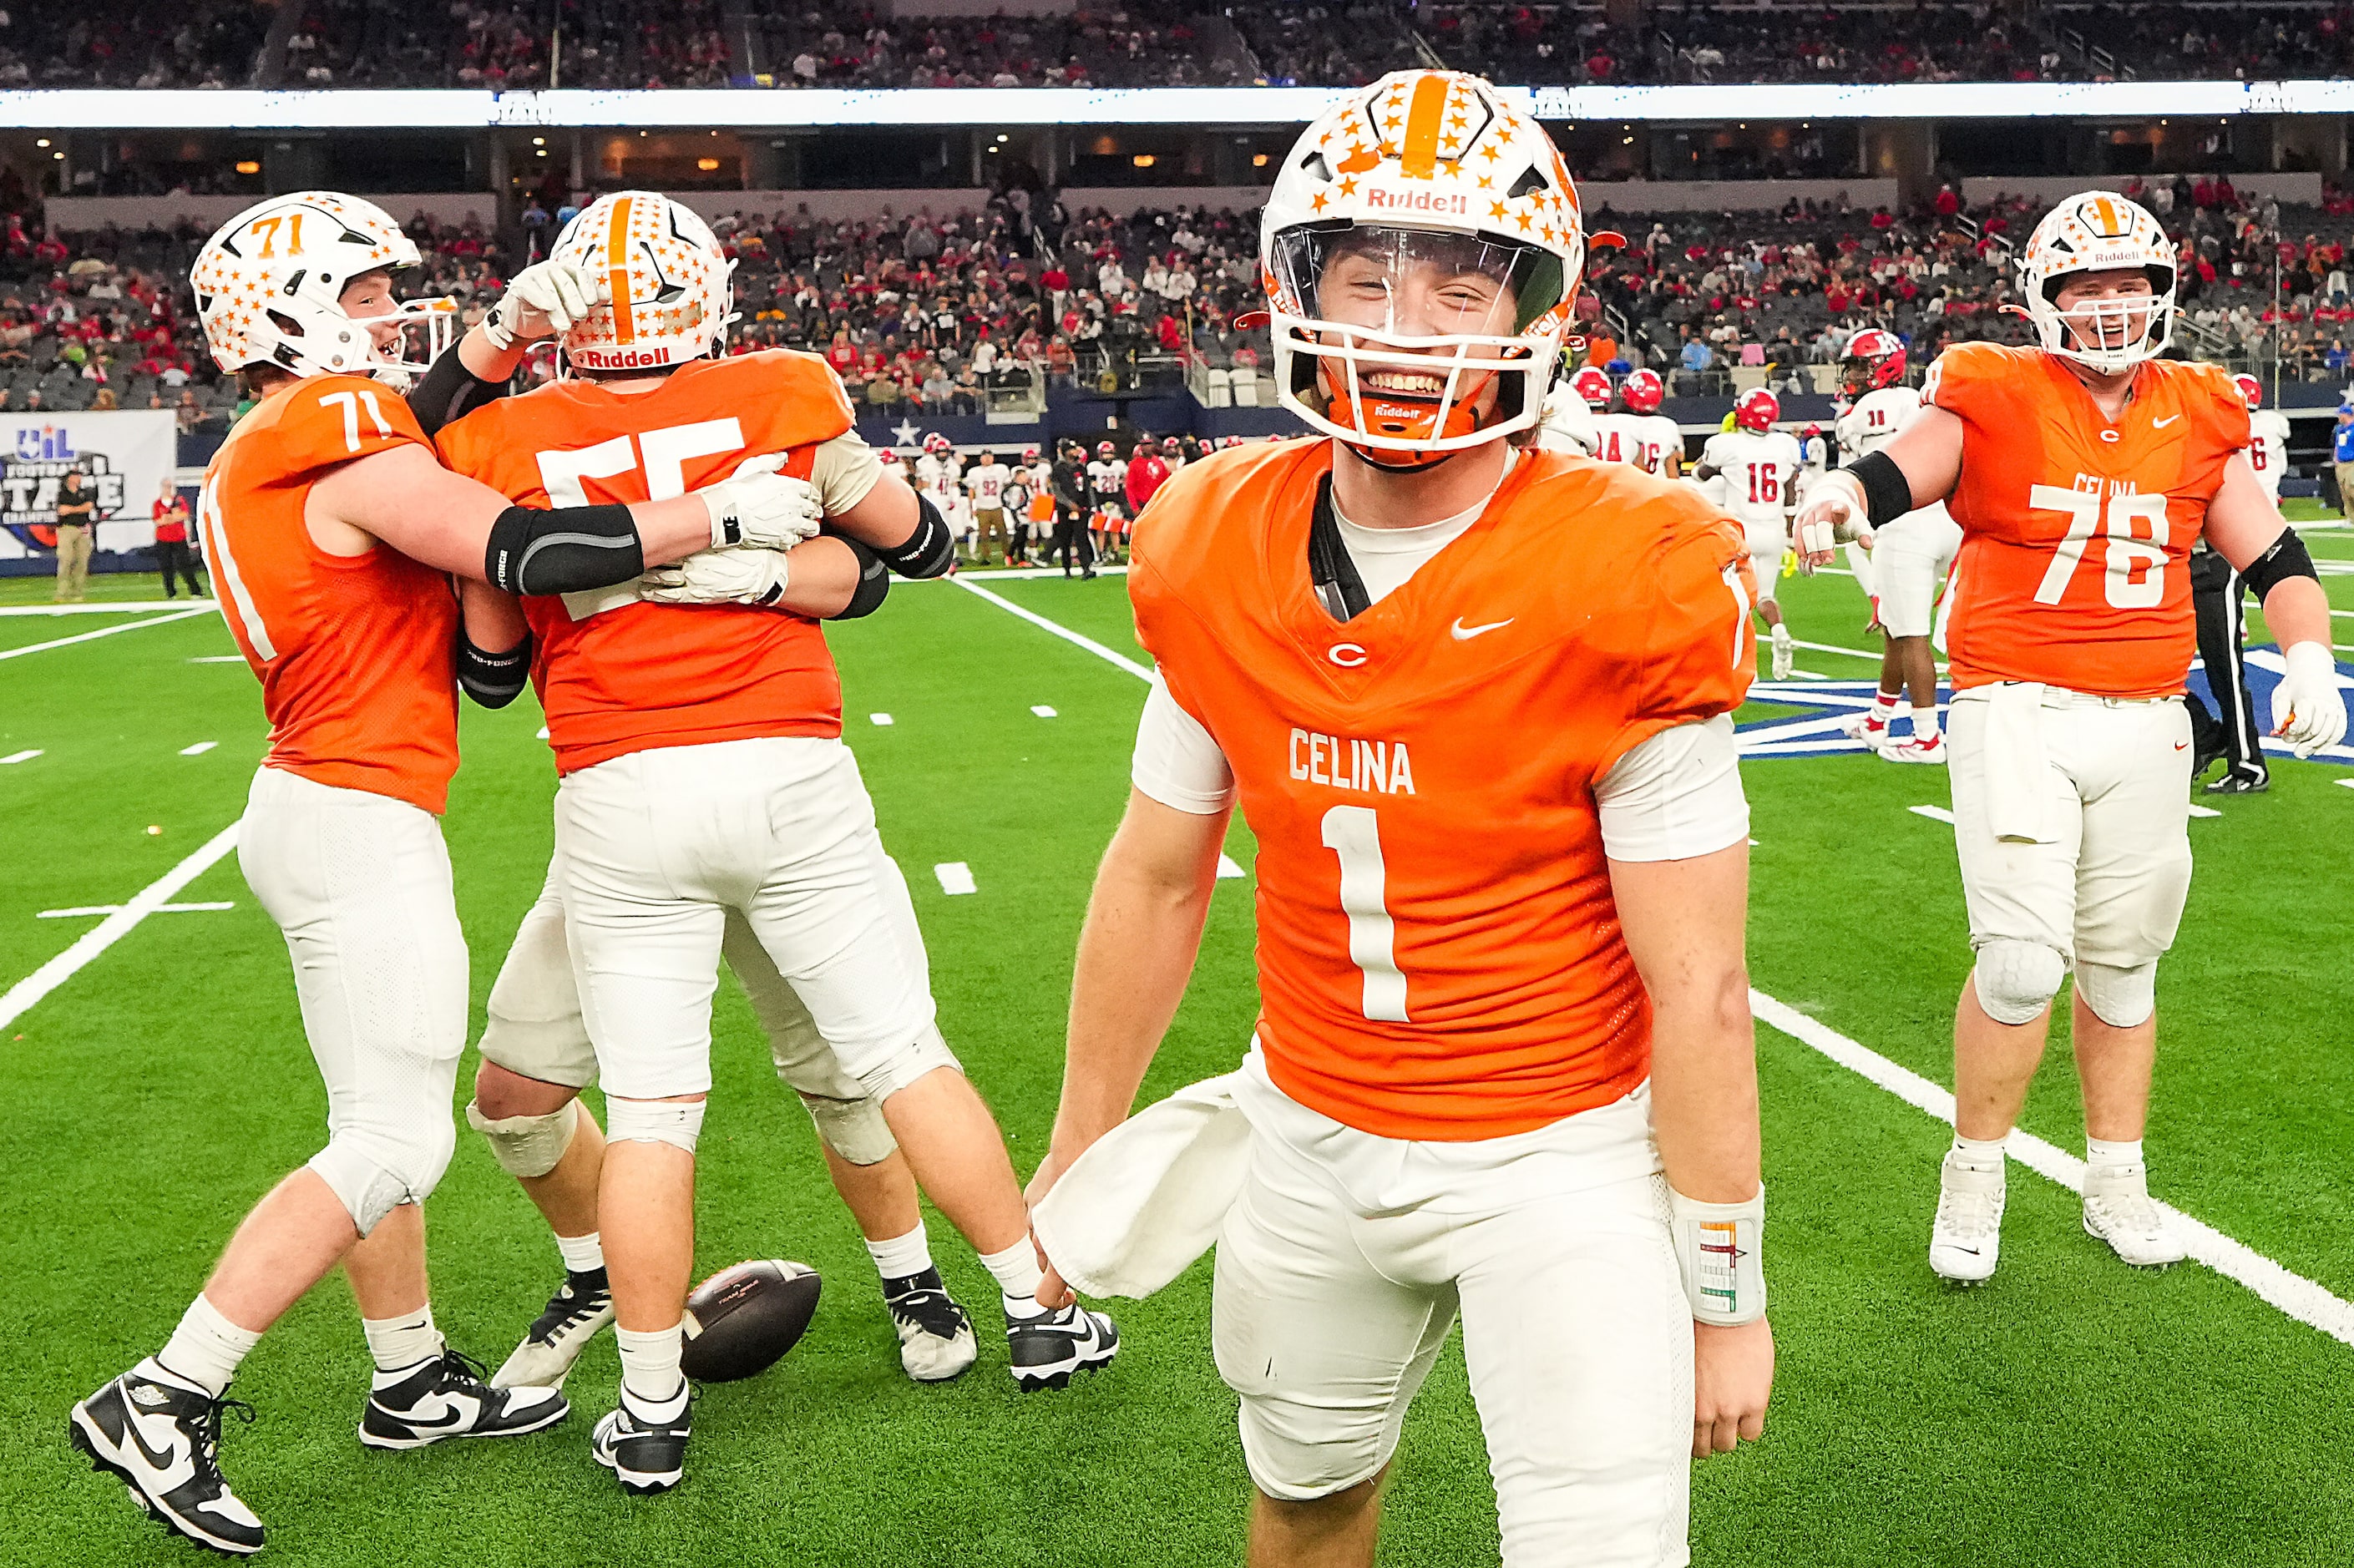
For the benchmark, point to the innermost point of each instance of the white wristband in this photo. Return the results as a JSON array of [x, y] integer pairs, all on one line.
[[1720, 1252]]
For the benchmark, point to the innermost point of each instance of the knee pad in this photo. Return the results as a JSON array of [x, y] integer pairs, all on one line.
[[853, 1128], [373, 1175], [925, 1053], [527, 1145], [2119, 995], [2016, 980], [676, 1122]]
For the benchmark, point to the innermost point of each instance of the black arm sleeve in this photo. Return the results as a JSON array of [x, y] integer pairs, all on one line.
[[873, 583], [449, 391], [929, 551], [493, 680], [1887, 493], [2287, 558], [567, 550]]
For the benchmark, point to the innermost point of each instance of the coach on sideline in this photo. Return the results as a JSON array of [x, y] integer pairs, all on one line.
[[77, 521]]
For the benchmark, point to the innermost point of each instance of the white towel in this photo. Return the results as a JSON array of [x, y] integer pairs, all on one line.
[[2018, 785], [1135, 1211]]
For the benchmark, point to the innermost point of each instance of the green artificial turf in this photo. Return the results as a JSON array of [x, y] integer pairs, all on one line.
[[2071, 1413]]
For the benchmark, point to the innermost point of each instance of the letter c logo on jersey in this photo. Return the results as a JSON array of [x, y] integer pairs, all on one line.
[[1348, 655]]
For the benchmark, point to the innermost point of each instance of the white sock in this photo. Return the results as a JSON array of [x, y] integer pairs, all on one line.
[[900, 1256], [650, 1373], [1925, 724], [206, 1348], [398, 1343], [1979, 1154], [1017, 1274], [2101, 1151], [1883, 705], [582, 1255], [1781, 635]]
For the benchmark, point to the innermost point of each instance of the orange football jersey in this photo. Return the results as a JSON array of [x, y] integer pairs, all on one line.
[[2076, 534], [1439, 955], [355, 652], [633, 677]]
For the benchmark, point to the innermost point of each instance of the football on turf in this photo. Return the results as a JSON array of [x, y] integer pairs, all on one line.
[[741, 1321]]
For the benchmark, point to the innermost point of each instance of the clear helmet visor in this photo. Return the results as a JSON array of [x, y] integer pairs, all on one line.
[[1398, 334]]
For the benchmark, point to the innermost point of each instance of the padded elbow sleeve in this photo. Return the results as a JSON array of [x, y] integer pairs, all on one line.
[[493, 680], [570, 549], [1887, 493], [447, 392], [2287, 558], [929, 551], [874, 584]]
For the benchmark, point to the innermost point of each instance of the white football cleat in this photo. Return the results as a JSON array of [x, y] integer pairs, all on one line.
[[1914, 748], [2118, 1210], [1967, 1239], [936, 1337], [580, 1310], [1867, 728], [1785, 656]]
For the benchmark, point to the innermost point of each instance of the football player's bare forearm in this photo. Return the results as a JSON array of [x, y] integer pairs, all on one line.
[[1929, 450], [821, 575], [493, 620], [2298, 611], [884, 517]]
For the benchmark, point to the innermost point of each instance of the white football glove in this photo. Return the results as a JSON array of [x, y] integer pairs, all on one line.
[[718, 577], [1832, 513], [760, 508], [2308, 710], [545, 299]]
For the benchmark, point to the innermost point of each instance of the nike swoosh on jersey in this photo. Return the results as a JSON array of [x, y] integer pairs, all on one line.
[[2161, 424], [1462, 633]]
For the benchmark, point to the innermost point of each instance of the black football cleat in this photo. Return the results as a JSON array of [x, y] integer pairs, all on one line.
[[1046, 1349], [2239, 784], [446, 1397], [162, 1440], [645, 1448]]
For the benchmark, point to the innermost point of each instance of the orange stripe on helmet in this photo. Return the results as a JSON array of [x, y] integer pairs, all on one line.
[[617, 271], [1425, 115]]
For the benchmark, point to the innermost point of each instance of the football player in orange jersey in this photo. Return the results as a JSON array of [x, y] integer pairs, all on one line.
[[681, 687], [332, 527], [1473, 698], [2081, 473]]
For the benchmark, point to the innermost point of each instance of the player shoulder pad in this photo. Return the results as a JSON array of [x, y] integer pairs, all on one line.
[[2210, 390], [322, 420], [805, 399], [1957, 377]]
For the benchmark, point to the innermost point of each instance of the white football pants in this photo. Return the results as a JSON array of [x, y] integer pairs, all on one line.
[[1910, 558]]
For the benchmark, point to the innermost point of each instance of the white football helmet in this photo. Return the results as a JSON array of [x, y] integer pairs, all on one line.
[[270, 283], [2095, 232], [662, 291], [1463, 243]]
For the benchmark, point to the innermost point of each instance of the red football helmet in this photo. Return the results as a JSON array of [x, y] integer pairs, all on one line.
[[937, 443], [1029, 454], [2252, 389], [1756, 409], [1592, 384], [1225, 442], [1811, 431], [1106, 451], [887, 455], [1875, 358], [1643, 392]]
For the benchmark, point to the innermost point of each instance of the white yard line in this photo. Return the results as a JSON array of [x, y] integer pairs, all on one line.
[[1141, 671], [1228, 869], [21, 996], [2298, 1297], [234, 658], [956, 877], [1934, 813], [2294, 1294], [16, 757], [199, 748], [81, 911], [1017, 574], [103, 631], [125, 607]]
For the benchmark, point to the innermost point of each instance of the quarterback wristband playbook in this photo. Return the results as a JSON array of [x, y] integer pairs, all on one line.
[[1720, 1252], [566, 549]]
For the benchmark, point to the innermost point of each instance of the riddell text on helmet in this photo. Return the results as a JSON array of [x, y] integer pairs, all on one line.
[[1418, 201], [622, 359]]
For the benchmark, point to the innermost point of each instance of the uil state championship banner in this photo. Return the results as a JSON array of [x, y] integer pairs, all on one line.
[[124, 457]]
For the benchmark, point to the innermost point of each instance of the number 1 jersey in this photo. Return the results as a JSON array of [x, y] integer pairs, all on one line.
[[2076, 533], [1439, 955]]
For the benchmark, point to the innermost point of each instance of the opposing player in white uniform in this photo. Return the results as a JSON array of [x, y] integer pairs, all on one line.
[[1658, 444], [1759, 467], [940, 480], [2267, 436], [1909, 557], [1107, 488], [1568, 423]]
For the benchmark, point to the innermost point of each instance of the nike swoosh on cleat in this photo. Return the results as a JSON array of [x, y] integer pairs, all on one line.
[[1462, 633], [163, 1461], [448, 1418]]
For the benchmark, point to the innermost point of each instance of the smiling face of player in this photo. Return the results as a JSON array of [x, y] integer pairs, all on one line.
[[1433, 286], [2106, 310], [368, 300]]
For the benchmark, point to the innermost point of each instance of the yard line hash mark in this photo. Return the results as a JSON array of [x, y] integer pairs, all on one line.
[[1041, 710], [16, 757], [1934, 813], [199, 748], [26, 992], [881, 720], [955, 876], [1227, 869]]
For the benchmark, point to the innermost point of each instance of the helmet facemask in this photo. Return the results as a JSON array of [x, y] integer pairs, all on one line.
[[1390, 339], [2110, 335]]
